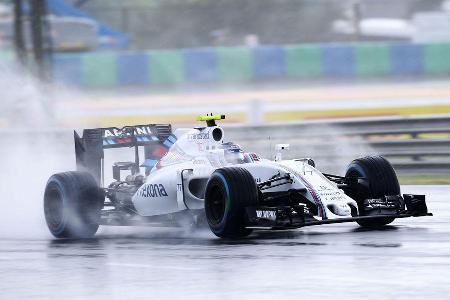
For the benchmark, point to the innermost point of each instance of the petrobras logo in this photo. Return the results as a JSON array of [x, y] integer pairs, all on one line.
[[130, 131]]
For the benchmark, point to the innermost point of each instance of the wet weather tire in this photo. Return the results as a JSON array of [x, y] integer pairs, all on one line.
[[380, 180], [72, 205], [228, 192]]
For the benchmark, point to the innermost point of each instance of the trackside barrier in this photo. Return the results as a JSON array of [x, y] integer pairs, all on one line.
[[103, 69], [245, 64], [414, 144]]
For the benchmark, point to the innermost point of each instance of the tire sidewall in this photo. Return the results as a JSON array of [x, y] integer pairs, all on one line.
[[235, 184], [363, 191], [55, 184], [218, 180], [356, 167]]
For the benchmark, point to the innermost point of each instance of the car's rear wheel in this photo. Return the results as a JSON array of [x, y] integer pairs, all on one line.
[[72, 205], [379, 180], [228, 192]]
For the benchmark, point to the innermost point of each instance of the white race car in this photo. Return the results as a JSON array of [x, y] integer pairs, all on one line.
[[191, 176]]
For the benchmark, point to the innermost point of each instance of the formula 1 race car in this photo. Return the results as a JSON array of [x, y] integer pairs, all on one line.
[[191, 176]]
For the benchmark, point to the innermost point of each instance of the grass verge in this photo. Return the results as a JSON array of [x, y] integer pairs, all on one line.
[[424, 179]]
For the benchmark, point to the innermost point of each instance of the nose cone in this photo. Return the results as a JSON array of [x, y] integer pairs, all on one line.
[[340, 209]]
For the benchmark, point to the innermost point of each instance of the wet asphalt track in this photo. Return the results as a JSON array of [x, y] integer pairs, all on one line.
[[410, 260]]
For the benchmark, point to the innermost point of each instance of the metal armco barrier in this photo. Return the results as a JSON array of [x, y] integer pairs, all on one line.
[[414, 144]]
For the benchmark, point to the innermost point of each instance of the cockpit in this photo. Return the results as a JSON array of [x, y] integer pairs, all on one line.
[[201, 148], [233, 153]]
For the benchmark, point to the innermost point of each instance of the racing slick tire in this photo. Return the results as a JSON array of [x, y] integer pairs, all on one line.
[[228, 192], [72, 205], [381, 181]]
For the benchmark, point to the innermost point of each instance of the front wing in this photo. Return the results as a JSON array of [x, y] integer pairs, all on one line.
[[288, 217]]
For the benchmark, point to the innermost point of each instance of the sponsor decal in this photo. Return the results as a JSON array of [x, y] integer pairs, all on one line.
[[198, 136], [266, 214], [153, 190], [336, 198], [330, 194], [382, 203], [324, 188], [137, 131]]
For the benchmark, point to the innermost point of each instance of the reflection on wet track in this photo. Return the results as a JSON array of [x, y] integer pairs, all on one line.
[[409, 260]]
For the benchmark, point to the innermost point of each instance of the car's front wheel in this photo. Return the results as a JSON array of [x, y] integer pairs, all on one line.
[[379, 180], [228, 192]]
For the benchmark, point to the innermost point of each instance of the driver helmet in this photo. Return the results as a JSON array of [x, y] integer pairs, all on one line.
[[233, 153]]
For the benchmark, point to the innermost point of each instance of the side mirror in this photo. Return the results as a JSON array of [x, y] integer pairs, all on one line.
[[308, 161], [311, 162]]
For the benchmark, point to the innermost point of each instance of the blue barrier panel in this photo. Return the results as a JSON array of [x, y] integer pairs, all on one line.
[[132, 69], [200, 65], [337, 60], [67, 68], [407, 59], [268, 62]]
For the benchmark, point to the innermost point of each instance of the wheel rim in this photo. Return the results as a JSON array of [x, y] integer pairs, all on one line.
[[215, 207], [54, 209]]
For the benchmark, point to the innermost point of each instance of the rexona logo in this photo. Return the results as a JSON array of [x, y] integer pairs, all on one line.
[[137, 130], [153, 190]]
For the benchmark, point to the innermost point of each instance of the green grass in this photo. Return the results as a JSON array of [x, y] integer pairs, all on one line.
[[424, 179]]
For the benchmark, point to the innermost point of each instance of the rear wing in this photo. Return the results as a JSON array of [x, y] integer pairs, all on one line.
[[89, 148]]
